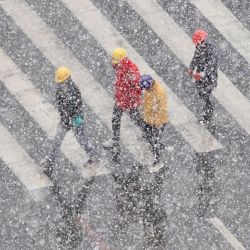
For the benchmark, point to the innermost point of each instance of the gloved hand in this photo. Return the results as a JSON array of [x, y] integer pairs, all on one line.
[[65, 123], [78, 121], [209, 88], [189, 72], [197, 76]]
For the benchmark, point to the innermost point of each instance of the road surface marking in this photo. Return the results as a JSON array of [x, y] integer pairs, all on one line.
[[58, 54], [226, 233], [30, 97], [227, 24], [41, 110], [181, 45], [91, 233], [183, 120], [20, 162]]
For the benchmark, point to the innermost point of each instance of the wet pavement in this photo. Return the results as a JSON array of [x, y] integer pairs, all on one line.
[[130, 207]]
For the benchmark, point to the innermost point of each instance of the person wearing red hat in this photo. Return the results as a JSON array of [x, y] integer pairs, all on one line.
[[203, 70]]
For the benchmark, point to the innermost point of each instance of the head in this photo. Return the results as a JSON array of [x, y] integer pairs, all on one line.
[[62, 74], [199, 36], [117, 55], [146, 82]]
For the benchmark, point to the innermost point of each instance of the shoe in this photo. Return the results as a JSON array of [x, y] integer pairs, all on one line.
[[157, 165], [117, 158], [47, 166], [91, 161], [156, 161], [162, 146], [109, 144], [48, 171], [204, 121], [144, 136]]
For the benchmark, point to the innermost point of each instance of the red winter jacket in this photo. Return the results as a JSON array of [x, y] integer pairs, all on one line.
[[127, 86]]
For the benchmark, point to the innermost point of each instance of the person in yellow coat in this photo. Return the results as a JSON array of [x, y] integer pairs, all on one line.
[[154, 112]]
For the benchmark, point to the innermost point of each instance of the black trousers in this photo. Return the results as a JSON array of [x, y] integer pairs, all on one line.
[[208, 109], [116, 121], [80, 135], [153, 136]]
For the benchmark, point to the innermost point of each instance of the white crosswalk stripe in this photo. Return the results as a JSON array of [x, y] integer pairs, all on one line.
[[20, 162], [41, 110], [183, 120], [28, 96], [54, 50], [50, 47], [45, 114], [180, 43], [227, 24], [226, 233]]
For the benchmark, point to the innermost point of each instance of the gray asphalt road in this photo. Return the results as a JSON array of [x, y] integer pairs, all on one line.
[[129, 208]]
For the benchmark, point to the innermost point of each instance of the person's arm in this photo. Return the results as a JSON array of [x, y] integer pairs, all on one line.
[[78, 101], [211, 62], [195, 60], [193, 65], [162, 104], [64, 117], [75, 104], [133, 78]]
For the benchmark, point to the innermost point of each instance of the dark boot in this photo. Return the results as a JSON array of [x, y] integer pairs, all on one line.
[[48, 166], [116, 150]]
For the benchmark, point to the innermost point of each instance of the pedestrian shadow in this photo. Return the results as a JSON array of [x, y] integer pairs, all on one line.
[[205, 188], [69, 233], [138, 202]]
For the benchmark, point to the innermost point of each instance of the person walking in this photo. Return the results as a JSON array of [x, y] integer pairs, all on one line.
[[127, 95], [154, 112], [69, 105], [203, 70]]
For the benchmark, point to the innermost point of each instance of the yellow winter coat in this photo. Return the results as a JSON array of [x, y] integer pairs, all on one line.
[[155, 105]]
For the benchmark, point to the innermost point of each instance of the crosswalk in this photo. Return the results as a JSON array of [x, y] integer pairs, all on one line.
[[22, 165], [42, 35], [227, 24], [182, 119], [182, 46]]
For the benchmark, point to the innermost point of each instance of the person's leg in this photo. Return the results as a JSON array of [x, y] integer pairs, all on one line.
[[204, 102], [136, 118], [208, 106], [147, 131], [116, 129], [50, 159], [60, 134], [161, 131], [81, 137], [156, 144], [201, 103], [152, 136], [116, 123]]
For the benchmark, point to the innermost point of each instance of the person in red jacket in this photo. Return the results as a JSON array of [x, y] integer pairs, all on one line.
[[127, 96]]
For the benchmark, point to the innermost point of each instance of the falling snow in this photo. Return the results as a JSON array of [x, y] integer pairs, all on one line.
[[124, 124]]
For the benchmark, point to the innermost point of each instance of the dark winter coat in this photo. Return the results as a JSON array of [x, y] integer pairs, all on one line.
[[205, 61], [127, 87], [69, 101]]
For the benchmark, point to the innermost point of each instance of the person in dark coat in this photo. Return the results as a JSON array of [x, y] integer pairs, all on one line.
[[69, 105], [203, 69]]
